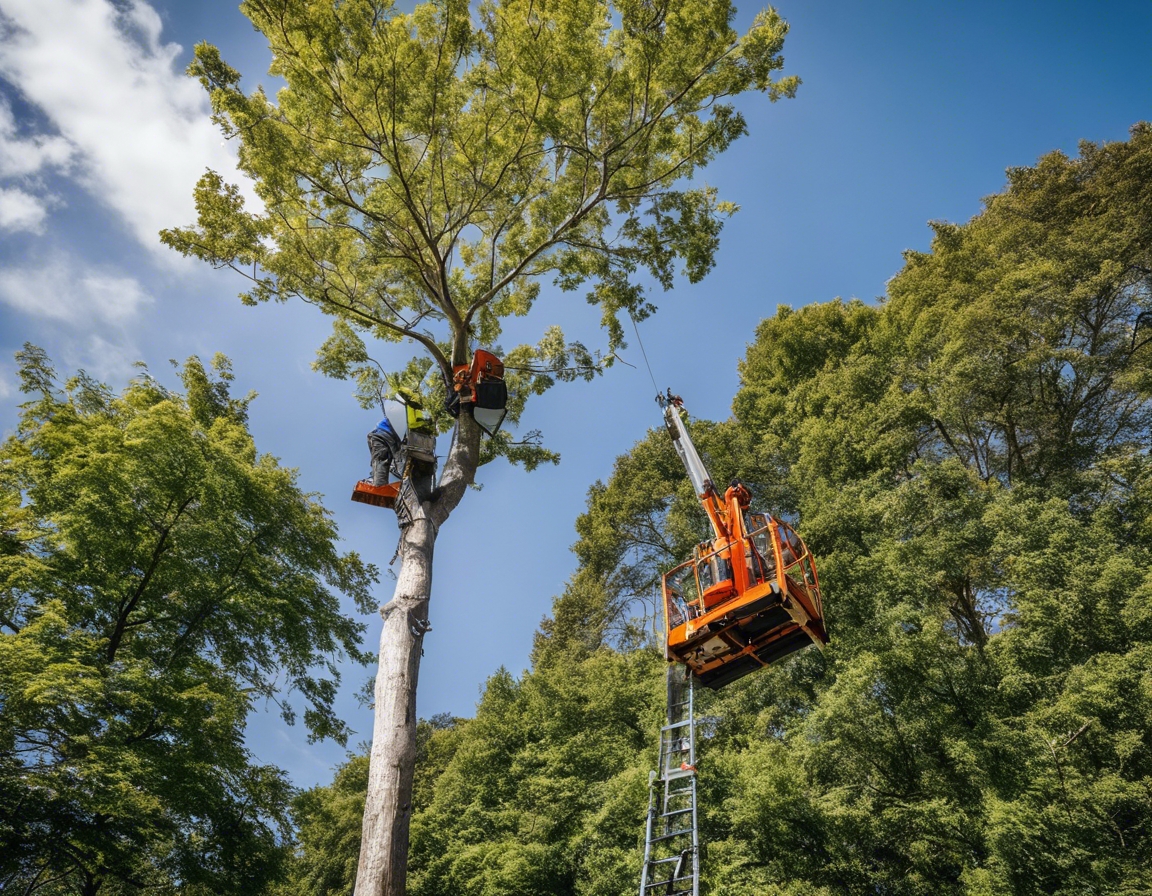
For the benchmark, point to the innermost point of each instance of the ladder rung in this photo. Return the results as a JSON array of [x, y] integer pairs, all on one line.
[[673, 880], [677, 750]]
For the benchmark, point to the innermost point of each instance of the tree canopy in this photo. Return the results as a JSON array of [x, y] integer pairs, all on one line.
[[160, 578], [421, 172]]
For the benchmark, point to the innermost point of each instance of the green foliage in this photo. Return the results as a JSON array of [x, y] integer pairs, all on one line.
[[545, 785], [970, 462], [422, 171], [328, 821], [967, 461], [159, 577]]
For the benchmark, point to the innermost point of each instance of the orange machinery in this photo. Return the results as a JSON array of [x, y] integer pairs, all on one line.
[[480, 386], [364, 492], [747, 598]]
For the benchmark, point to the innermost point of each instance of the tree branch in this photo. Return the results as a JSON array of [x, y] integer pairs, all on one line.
[[126, 610]]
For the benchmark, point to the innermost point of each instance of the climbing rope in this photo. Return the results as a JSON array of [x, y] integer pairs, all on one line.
[[640, 342]]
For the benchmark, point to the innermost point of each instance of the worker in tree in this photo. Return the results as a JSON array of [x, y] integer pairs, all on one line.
[[383, 445], [419, 444]]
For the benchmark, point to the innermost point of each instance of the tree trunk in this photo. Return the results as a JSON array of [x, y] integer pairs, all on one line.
[[382, 868], [384, 843], [90, 885]]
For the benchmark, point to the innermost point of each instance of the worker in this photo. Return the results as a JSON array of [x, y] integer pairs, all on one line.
[[383, 445]]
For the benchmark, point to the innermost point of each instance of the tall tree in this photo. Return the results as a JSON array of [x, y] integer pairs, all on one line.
[[158, 576], [421, 172]]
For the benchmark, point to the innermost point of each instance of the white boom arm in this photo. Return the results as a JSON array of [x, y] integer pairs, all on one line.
[[701, 481]]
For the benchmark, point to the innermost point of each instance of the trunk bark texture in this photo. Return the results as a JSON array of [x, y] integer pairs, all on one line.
[[382, 869]]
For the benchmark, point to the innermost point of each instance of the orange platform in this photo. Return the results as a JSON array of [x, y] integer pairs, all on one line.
[[376, 495]]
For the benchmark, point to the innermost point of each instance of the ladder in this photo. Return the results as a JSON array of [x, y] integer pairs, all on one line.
[[671, 838]]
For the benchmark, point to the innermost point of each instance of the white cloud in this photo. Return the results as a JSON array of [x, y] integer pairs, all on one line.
[[59, 289], [140, 128], [24, 157], [21, 211], [109, 360], [28, 155]]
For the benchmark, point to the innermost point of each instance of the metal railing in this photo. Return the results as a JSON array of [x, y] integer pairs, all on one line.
[[792, 571]]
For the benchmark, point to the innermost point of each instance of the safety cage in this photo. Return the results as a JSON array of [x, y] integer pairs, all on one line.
[[722, 634]]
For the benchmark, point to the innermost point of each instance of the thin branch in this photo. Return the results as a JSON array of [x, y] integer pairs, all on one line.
[[124, 611]]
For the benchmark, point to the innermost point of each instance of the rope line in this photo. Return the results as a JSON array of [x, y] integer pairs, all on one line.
[[640, 342]]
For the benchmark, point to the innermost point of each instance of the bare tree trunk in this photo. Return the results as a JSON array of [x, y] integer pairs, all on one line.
[[383, 864], [384, 844]]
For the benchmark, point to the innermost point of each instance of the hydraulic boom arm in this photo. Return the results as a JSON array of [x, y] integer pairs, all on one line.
[[724, 511], [697, 472]]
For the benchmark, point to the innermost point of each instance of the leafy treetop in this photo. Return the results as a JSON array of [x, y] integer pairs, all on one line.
[[420, 172]]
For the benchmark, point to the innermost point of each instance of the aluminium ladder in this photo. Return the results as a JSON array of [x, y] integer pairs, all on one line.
[[671, 838]]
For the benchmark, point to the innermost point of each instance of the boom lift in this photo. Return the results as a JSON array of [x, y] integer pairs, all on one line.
[[745, 599], [748, 597]]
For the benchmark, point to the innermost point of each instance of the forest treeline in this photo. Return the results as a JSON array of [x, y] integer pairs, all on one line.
[[968, 458]]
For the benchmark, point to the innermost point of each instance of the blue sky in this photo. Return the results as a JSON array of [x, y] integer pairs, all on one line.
[[909, 111]]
